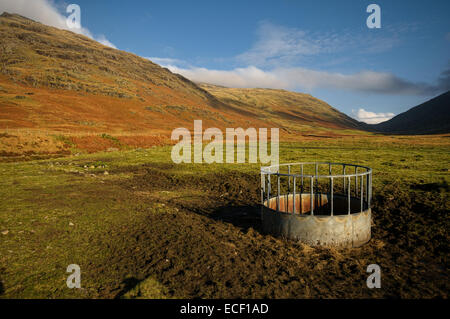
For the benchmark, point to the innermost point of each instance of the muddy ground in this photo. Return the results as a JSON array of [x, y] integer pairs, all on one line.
[[205, 241]]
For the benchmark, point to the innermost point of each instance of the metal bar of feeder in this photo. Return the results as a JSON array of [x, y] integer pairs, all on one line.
[[301, 190], [263, 187], [300, 210], [329, 172], [367, 188], [312, 196], [289, 189], [331, 196], [293, 198], [370, 191], [289, 173], [278, 192], [343, 173], [349, 190], [356, 181], [362, 190], [316, 197]]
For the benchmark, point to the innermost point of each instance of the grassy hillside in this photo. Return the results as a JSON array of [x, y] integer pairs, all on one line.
[[431, 117], [295, 112], [56, 79], [61, 83]]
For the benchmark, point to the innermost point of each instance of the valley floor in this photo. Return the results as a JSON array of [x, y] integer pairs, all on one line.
[[140, 226]]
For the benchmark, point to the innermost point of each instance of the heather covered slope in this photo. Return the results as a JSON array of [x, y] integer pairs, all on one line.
[[57, 80], [287, 109], [431, 117]]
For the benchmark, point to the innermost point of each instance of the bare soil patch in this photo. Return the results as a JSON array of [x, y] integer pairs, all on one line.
[[209, 244]]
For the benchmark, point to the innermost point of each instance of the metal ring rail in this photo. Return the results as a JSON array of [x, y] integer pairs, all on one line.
[[348, 180]]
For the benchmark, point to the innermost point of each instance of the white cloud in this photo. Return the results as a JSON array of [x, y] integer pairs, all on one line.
[[302, 78], [278, 45], [103, 40], [46, 12], [273, 61], [363, 81], [372, 117], [240, 77]]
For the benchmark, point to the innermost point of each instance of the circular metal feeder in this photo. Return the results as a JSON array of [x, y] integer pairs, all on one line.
[[318, 203]]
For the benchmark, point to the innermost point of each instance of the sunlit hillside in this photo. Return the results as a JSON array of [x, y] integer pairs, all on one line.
[[55, 82]]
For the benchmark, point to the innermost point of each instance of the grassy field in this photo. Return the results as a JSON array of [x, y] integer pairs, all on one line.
[[86, 178], [140, 226]]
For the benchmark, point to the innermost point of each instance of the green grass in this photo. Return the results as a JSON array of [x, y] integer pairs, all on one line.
[[58, 212], [146, 289], [67, 142]]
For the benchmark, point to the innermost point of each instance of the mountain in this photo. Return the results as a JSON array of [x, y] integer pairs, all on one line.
[[431, 117], [57, 80], [286, 109]]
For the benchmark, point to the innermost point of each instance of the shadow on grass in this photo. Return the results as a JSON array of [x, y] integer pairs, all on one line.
[[244, 216], [432, 187], [129, 283]]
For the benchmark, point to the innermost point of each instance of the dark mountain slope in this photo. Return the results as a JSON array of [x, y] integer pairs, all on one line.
[[431, 117]]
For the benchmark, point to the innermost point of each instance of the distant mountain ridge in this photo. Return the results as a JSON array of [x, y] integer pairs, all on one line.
[[431, 117]]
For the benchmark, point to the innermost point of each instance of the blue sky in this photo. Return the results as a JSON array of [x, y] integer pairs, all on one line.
[[320, 47]]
